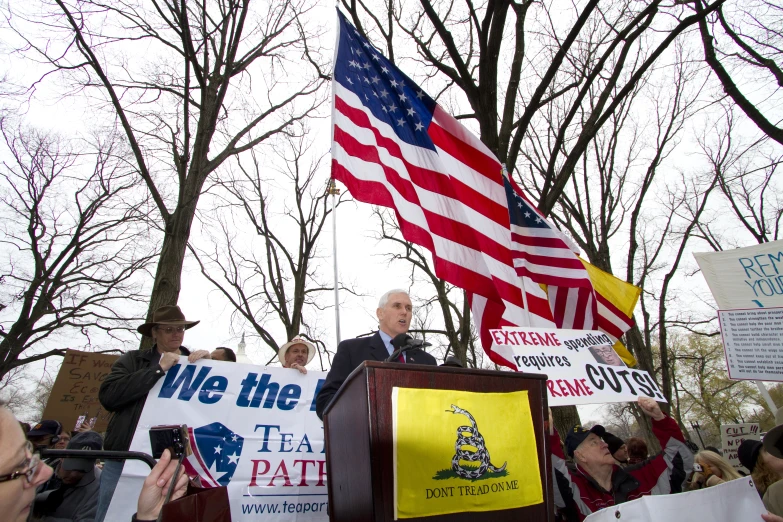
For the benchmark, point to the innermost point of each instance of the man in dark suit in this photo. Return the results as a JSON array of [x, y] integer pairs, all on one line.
[[394, 317]]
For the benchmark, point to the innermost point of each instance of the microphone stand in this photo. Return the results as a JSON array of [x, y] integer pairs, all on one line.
[[399, 351]]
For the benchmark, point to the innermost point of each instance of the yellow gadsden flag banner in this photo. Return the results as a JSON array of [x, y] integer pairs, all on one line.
[[458, 451]]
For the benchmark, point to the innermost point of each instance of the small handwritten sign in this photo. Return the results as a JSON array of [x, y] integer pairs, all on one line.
[[732, 435], [74, 397]]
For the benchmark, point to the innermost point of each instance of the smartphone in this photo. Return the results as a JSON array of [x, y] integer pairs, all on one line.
[[171, 437], [79, 421]]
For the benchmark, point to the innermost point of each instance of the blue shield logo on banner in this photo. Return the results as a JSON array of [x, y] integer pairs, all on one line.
[[216, 450]]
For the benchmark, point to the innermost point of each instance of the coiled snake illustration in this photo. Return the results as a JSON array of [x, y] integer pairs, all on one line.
[[476, 440]]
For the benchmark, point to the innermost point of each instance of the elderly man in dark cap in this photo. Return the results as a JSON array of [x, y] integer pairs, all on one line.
[[124, 391], [597, 481], [75, 494]]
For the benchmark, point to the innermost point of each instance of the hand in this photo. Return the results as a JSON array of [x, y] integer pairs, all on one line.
[[168, 360], [83, 427], [198, 354], [769, 517], [651, 408], [297, 366], [156, 485]]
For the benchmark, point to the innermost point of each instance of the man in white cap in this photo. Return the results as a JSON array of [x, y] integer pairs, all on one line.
[[296, 354]]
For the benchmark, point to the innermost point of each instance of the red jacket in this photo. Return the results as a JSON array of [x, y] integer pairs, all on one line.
[[579, 495]]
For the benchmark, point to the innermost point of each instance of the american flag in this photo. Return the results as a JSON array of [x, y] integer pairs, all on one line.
[[542, 254], [393, 146]]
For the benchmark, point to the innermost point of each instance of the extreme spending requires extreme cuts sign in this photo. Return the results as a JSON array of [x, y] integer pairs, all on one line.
[[252, 429], [581, 365]]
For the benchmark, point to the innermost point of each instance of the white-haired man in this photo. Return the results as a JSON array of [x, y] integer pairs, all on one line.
[[394, 317]]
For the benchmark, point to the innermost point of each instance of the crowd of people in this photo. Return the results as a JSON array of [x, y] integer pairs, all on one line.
[[593, 469]]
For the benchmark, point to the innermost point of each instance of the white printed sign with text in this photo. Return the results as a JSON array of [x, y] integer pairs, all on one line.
[[581, 365], [752, 342], [252, 428]]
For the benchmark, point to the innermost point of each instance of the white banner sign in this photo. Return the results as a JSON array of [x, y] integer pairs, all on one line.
[[753, 342], [253, 429], [745, 277], [728, 502], [732, 435], [582, 366]]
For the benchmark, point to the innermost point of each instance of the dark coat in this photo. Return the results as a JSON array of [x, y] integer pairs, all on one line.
[[124, 392], [78, 503], [353, 352]]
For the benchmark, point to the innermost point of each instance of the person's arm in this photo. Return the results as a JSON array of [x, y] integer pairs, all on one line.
[[123, 386], [676, 455], [341, 368]]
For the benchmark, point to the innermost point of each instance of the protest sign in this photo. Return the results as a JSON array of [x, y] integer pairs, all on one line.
[[74, 397], [728, 502], [745, 277], [732, 435], [752, 342], [253, 429], [581, 365]]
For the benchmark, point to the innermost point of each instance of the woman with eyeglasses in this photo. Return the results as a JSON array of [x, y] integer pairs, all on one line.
[[132, 376], [21, 471]]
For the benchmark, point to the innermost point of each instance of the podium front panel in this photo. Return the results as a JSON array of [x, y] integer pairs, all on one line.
[[359, 429]]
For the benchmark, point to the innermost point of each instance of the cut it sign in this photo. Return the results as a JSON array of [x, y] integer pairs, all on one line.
[[732, 435]]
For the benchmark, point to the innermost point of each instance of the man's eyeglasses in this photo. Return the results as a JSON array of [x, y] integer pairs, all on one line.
[[170, 329], [30, 466]]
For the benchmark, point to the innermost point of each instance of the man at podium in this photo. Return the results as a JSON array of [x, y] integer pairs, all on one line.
[[394, 317]]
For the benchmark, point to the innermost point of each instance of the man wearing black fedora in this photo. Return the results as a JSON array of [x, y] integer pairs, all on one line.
[[124, 391]]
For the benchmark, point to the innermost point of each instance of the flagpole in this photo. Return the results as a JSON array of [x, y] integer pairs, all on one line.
[[334, 191]]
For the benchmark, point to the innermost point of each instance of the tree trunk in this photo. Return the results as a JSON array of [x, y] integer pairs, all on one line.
[[566, 417], [168, 277]]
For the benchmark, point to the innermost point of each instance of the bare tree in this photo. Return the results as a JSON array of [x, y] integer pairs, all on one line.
[[744, 40], [75, 243], [591, 57], [273, 282], [208, 81]]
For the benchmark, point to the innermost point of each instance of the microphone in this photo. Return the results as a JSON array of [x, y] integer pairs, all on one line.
[[404, 342]]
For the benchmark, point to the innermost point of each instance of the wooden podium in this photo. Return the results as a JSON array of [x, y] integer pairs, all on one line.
[[359, 444]]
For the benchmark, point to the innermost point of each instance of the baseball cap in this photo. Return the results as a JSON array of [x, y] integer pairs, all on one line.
[[45, 427], [88, 440], [577, 436]]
